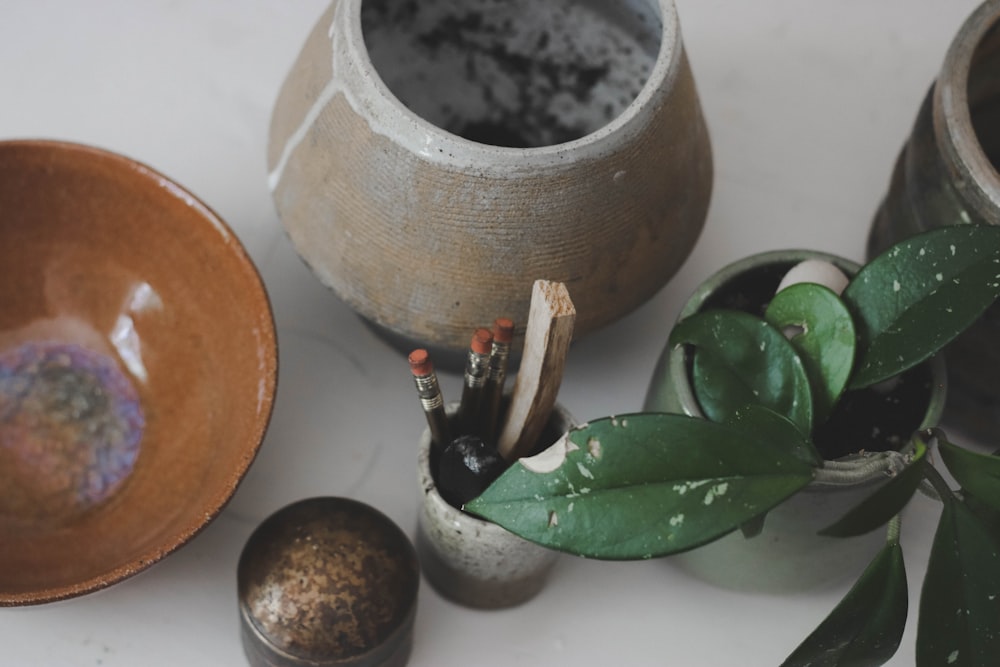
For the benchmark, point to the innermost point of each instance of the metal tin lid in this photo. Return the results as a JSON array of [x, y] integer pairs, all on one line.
[[328, 581]]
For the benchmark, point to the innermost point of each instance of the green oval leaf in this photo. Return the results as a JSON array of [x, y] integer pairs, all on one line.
[[741, 360], [865, 629], [885, 502], [770, 426], [979, 474], [825, 341], [913, 299], [646, 485], [959, 621]]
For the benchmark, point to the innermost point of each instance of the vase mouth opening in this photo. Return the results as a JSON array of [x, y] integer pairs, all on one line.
[[967, 109], [518, 76]]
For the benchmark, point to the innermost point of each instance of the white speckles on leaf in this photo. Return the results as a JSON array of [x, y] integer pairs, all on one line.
[[553, 519], [594, 448], [716, 491], [681, 489], [896, 286], [939, 277], [953, 657], [952, 250], [584, 470], [677, 520]]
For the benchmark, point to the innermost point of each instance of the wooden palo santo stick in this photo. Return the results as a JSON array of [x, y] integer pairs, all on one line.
[[551, 316]]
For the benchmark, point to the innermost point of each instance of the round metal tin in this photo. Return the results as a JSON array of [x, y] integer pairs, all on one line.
[[328, 582]]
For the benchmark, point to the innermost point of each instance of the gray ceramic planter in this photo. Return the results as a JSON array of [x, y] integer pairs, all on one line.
[[788, 554], [474, 562], [947, 173]]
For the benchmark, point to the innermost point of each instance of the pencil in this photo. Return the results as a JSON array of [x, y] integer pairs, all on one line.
[[470, 408], [496, 375], [431, 399]]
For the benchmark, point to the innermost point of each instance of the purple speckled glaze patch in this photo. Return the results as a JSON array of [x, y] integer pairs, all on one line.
[[70, 428]]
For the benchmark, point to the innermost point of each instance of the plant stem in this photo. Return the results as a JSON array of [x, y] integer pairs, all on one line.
[[892, 529], [944, 492]]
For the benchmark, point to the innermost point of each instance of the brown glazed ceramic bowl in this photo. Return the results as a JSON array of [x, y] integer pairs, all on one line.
[[138, 367]]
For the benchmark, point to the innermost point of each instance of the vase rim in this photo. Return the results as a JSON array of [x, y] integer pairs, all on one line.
[[439, 145], [960, 147]]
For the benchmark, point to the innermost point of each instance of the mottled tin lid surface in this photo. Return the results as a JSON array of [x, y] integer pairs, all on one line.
[[328, 581]]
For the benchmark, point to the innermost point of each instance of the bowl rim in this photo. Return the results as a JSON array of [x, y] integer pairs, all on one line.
[[268, 354]]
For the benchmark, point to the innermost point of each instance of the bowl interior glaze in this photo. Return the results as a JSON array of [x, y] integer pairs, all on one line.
[[138, 367]]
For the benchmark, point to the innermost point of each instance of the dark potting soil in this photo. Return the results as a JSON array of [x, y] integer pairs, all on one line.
[[986, 123], [984, 95], [874, 419]]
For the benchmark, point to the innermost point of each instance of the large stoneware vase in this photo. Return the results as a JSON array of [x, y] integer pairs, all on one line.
[[949, 173], [430, 160]]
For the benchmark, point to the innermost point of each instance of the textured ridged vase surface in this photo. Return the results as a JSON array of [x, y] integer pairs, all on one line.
[[430, 160], [949, 173], [788, 555]]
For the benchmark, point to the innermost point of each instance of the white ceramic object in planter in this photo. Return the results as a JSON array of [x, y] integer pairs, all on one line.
[[788, 555], [430, 160], [471, 561]]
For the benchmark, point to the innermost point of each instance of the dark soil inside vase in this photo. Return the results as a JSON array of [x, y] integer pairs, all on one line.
[[984, 94], [879, 418], [518, 73]]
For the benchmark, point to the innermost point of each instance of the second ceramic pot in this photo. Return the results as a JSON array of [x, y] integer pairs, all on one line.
[[474, 562], [788, 555], [949, 173], [431, 160]]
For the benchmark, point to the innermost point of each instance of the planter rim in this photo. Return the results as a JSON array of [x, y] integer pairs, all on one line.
[[849, 471], [372, 99], [963, 155]]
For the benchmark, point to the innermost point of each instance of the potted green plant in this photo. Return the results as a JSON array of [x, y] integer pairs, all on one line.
[[655, 484], [863, 441]]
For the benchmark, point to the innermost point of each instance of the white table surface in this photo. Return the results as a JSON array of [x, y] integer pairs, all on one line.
[[808, 104]]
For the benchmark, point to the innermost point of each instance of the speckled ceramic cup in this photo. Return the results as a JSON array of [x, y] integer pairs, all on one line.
[[474, 562]]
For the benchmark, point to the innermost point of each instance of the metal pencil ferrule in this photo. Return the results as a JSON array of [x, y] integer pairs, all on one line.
[[498, 363], [476, 369], [427, 386]]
